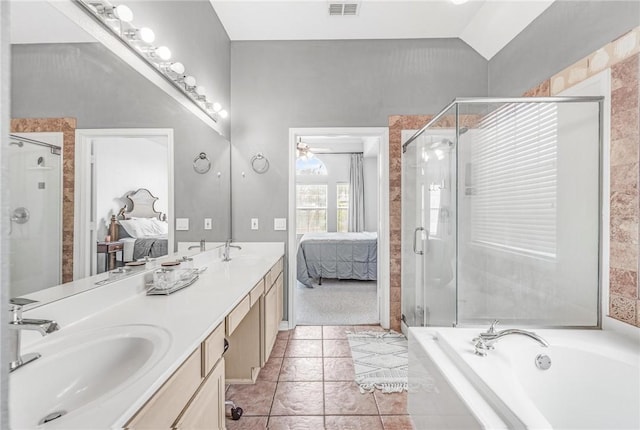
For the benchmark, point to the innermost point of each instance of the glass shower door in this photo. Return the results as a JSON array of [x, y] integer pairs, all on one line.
[[428, 231]]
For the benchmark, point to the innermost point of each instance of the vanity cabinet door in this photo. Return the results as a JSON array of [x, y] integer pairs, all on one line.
[[206, 410], [271, 319]]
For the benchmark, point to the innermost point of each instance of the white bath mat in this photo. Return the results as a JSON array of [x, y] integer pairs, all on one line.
[[380, 360]]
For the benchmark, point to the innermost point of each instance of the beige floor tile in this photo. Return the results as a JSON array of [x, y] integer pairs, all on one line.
[[271, 370], [254, 399], [338, 369], [279, 348], [391, 403], [344, 398], [247, 423], [336, 348], [298, 398], [296, 423], [336, 331], [284, 334], [397, 422], [307, 332], [301, 369], [351, 422], [304, 348]]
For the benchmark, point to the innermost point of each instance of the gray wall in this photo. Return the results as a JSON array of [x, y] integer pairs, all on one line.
[[88, 82], [566, 32], [276, 85]]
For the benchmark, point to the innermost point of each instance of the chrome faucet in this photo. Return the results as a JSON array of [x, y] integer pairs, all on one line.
[[201, 246], [16, 325], [484, 342], [226, 253]]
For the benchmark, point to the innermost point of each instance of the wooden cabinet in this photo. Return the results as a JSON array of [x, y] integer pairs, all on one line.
[[161, 410], [273, 307], [206, 410]]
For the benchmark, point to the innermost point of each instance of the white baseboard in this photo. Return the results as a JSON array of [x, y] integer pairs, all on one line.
[[284, 326]]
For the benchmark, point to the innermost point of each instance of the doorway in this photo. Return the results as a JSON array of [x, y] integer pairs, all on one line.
[[350, 284], [110, 164]]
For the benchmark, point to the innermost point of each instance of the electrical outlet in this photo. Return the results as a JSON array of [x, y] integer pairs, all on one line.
[[182, 223], [207, 223], [254, 223]]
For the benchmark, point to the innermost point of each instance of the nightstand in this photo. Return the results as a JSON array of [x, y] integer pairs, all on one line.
[[110, 249]]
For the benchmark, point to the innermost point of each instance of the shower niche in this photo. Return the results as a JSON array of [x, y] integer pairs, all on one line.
[[501, 214]]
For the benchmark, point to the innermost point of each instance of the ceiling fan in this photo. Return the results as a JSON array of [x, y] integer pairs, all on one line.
[[305, 151]]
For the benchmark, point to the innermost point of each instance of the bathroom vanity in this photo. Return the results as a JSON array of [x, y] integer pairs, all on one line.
[[154, 361]]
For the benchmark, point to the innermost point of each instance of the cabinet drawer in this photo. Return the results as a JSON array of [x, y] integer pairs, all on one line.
[[212, 349], [273, 274], [237, 314], [169, 401], [257, 291]]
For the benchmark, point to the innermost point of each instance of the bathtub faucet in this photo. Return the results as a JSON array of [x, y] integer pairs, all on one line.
[[485, 341]]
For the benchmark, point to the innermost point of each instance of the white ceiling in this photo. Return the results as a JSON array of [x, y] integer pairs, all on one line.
[[486, 25]]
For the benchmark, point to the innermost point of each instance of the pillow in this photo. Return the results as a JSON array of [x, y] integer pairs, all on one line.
[[143, 227], [162, 226]]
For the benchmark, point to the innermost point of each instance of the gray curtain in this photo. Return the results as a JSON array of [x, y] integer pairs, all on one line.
[[356, 193]]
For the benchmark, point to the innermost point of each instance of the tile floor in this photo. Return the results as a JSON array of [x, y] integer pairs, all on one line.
[[308, 384]]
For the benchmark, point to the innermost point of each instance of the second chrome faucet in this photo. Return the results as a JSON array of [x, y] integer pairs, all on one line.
[[484, 342]]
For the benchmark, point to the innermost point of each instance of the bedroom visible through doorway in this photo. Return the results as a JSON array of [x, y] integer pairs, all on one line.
[[336, 208]]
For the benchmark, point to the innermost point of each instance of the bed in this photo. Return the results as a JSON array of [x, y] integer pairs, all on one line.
[[142, 230], [337, 256]]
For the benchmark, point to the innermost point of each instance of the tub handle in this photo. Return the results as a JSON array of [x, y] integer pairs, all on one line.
[[415, 240]]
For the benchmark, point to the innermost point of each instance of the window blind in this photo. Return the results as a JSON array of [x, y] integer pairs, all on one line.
[[514, 179]]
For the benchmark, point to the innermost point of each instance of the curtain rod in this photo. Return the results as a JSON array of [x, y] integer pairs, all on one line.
[[335, 153]]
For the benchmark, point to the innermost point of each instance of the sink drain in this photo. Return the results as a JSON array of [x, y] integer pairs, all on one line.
[[52, 416]]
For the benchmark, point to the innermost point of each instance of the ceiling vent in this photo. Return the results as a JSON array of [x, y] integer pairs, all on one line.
[[337, 8]]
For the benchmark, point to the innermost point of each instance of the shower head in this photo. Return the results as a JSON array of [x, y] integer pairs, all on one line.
[[462, 130]]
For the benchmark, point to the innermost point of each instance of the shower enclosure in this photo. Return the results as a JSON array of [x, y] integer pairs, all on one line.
[[35, 177], [501, 203]]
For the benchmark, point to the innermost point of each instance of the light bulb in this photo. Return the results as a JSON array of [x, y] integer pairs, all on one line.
[[123, 13], [224, 113], [163, 52], [146, 35], [190, 81], [216, 107], [177, 68], [459, 1], [200, 90]]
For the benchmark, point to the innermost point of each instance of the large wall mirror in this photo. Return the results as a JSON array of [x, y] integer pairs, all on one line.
[[65, 84]]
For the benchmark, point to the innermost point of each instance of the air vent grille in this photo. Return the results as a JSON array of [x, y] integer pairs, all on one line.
[[343, 8]]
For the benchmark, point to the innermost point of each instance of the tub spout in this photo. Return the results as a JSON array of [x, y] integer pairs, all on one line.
[[485, 341]]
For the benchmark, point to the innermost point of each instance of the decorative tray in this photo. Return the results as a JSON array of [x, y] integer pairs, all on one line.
[[193, 275]]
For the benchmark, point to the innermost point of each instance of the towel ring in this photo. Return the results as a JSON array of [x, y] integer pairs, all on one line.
[[259, 163], [201, 163]]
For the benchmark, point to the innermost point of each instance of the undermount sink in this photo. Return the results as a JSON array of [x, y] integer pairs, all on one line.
[[81, 368]]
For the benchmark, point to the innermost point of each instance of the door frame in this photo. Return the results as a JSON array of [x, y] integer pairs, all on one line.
[[84, 250], [384, 299]]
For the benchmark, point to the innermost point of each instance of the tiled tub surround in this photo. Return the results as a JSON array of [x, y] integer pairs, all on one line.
[[188, 316], [593, 381]]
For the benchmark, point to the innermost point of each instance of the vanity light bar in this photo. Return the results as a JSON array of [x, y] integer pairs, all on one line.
[[118, 19]]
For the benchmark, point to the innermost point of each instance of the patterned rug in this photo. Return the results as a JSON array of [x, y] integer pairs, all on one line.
[[380, 360]]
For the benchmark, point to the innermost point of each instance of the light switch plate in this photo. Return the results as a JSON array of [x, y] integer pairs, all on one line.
[[254, 223], [279, 224], [182, 223], [207, 223]]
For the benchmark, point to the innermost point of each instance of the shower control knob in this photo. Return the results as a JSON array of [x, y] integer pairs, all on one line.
[[20, 215]]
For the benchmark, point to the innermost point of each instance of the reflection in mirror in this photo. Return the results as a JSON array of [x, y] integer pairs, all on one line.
[[63, 81]]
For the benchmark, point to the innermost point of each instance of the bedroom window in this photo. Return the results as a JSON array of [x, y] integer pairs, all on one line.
[[311, 208], [342, 207], [514, 171]]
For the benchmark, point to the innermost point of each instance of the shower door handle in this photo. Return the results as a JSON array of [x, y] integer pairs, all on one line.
[[415, 241]]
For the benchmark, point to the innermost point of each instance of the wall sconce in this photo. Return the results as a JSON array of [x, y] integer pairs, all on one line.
[[118, 20]]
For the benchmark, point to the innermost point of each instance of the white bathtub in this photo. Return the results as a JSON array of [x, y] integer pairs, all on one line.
[[593, 382]]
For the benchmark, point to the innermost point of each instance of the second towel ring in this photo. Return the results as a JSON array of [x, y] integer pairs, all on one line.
[[201, 163], [259, 163]]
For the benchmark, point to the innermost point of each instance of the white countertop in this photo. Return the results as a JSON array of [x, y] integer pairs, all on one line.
[[188, 316]]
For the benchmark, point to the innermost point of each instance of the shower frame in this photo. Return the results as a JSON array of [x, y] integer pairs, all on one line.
[[456, 103]]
